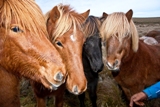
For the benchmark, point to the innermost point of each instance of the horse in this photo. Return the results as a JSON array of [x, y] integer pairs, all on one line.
[[64, 26], [149, 40], [92, 58], [25, 51], [152, 37], [134, 64], [155, 34]]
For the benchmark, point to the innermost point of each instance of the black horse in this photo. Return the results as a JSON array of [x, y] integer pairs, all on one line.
[[92, 58]]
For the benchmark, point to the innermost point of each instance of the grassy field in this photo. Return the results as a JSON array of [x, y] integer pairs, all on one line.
[[147, 20]]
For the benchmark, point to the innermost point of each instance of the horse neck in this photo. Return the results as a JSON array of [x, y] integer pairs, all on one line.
[[131, 55], [136, 64], [144, 51]]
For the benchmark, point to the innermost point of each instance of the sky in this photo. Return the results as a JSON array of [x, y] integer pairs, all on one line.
[[141, 8]]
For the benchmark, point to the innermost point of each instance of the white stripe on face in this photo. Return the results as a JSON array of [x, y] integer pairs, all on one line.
[[73, 38]]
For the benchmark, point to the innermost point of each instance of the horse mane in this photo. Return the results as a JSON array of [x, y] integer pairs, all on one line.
[[91, 26], [117, 24], [68, 18], [23, 13]]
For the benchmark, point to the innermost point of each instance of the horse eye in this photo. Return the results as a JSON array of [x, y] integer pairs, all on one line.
[[16, 29], [59, 43]]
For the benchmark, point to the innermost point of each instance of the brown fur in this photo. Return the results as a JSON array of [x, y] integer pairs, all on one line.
[[62, 22], [25, 50], [137, 69], [155, 34]]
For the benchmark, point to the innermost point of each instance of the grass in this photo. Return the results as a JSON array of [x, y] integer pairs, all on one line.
[[108, 93]]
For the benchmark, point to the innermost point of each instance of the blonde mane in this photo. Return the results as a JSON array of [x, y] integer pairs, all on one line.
[[24, 13], [68, 19], [91, 26], [117, 24]]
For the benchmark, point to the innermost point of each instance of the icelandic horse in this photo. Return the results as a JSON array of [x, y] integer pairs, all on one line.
[[92, 58], [25, 50], [155, 34], [64, 26], [134, 64]]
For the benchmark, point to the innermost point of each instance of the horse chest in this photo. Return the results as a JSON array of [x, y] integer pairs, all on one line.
[[126, 79]]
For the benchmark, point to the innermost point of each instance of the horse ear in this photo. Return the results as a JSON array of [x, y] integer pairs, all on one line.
[[54, 14], [104, 16], [129, 14], [1, 3], [85, 14]]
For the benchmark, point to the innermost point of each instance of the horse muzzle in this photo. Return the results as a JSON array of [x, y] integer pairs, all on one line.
[[113, 67]]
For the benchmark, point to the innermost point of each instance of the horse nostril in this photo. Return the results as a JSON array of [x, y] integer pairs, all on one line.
[[109, 65], [115, 63], [75, 89], [95, 69], [59, 76]]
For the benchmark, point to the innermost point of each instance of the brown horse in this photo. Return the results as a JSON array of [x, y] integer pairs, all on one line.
[[25, 50], [134, 64], [155, 34], [64, 26]]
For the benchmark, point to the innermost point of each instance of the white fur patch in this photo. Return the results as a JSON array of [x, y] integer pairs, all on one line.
[[73, 38], [149, 40]]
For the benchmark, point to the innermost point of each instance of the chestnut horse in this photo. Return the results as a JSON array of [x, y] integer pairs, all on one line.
[[134, 64], [155, 34], [151, 38], [64, 26], [92, 58], [25, 50]]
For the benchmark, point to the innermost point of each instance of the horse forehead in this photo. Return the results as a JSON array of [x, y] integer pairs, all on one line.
[[92, 42], [112, 41], [76, 37], [73, 38], [112, 45], [70, 38]]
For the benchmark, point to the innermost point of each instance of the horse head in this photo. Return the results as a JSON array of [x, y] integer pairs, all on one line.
[[64, 26], [92, 48], [24, 49], [120, 35]]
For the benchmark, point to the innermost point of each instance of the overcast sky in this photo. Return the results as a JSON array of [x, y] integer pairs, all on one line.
[[141, 8]]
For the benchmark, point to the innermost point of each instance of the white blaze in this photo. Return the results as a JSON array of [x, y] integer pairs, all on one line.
[[73, 38]]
